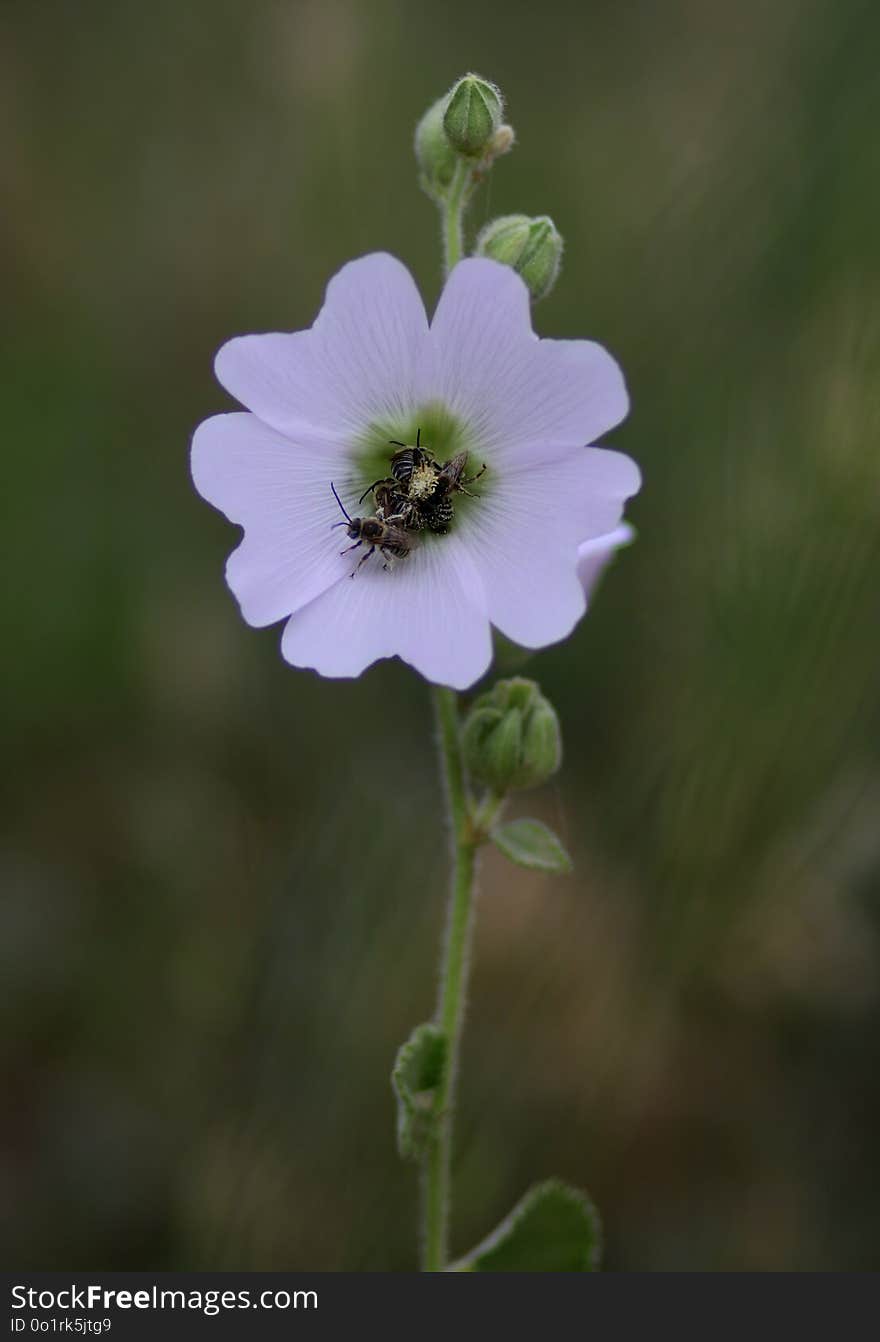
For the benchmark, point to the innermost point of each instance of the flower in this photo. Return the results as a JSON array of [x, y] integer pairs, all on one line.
[[594, 555], [322, 406]]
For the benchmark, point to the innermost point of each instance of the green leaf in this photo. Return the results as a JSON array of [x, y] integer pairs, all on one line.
[[554, 1228], [529, 843], [418, 1071]]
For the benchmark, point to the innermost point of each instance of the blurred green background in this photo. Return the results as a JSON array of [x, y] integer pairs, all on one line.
[[223, 879]]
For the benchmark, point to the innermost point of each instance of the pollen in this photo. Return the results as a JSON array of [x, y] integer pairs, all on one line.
[[423, 482]]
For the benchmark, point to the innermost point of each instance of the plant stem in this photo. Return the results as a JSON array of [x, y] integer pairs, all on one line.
[[453, 209], [453, 980], [459, 917]]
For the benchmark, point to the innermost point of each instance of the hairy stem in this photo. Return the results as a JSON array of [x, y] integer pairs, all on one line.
[[453, 981], [453, 211], [459, 917]]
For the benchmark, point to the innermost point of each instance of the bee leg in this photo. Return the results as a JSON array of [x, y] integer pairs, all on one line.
[[375, 485], [469, 481], [363, 561], [348, 549]]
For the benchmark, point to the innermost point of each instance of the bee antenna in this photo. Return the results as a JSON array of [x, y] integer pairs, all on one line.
[[418, 437], [341, 504], [396, 443]]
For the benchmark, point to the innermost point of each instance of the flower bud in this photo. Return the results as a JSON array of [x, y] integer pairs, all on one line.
[[434, 154], [511, 737], [502, 141], [473, 115], [531, 246]]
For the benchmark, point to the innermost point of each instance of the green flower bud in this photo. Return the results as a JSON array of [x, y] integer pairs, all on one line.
[[492, 743], [434, 154], [531, 246], [511, 737], [473, 115]]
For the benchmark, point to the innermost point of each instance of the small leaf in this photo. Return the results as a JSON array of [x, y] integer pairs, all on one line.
[[418, 1071], [554, 1228], [529, 843]]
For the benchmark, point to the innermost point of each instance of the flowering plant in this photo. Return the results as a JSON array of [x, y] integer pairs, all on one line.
[[456, 457]]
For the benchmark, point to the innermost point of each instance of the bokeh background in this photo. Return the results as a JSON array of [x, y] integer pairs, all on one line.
[[223, 880]]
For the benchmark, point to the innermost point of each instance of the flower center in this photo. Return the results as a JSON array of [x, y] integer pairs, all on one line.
[[422, 466]]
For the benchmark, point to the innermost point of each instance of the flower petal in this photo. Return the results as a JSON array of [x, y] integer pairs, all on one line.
[[279, 491], [427, 611], [594, 555], [524, 398], [524, 539], [361, 361]]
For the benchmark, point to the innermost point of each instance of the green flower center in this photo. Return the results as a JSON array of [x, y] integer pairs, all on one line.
[[442, 435]]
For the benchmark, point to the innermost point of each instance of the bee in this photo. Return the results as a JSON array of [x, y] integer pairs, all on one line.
[[451, 477], [415, 468], [413, 478], [390, 500], [377, 533], [435, 507], [437, 510]]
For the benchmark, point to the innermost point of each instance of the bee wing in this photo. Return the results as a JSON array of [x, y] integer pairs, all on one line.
[[399, 538], [454, 469], [451, 473]]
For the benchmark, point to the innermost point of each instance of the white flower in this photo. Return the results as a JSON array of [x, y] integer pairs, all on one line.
[[322, 406]]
